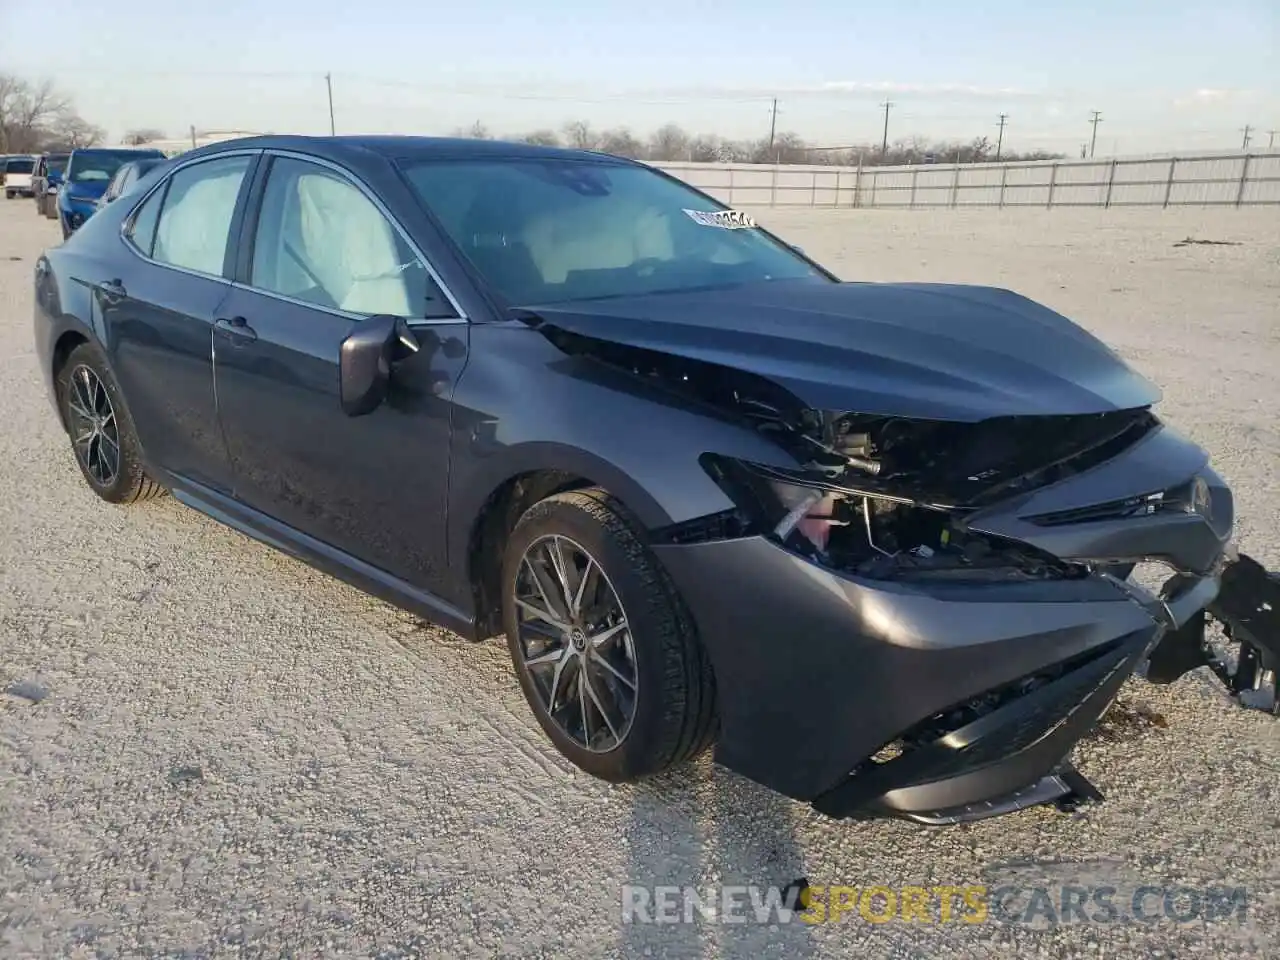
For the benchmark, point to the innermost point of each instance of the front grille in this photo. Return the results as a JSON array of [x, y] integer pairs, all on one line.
[[1173, 500]]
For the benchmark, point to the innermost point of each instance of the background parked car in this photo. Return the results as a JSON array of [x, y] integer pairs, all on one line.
[[128, 174], [45, 179], [88, 173], [17, 176]]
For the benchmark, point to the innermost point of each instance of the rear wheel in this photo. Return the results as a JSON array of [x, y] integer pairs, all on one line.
[[8, 194], [605, 652], [101, 430]]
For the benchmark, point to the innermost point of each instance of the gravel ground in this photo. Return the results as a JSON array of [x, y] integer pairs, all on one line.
[[207, 748]]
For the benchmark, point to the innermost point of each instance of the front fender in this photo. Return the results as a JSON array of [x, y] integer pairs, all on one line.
[[523, 405]]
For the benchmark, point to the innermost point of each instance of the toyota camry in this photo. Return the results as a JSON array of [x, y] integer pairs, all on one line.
[[875, 542]]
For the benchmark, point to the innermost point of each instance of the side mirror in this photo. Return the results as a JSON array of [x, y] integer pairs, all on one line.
[[366, 358], [798, 249]]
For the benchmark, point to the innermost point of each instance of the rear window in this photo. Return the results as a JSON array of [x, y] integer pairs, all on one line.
[[101, 165], [19, 166]]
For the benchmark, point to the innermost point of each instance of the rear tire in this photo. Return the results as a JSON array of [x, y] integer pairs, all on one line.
[[668, 713], [8, 194], [102, 434]]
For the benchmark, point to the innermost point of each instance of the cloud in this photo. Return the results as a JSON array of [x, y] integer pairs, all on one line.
[[1209, 96], [921, 89]]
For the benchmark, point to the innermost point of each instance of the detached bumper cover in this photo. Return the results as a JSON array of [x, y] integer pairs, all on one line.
[[986, 687]]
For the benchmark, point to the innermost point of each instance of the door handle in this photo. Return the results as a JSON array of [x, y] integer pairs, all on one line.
[[112, 289], [236, 328]]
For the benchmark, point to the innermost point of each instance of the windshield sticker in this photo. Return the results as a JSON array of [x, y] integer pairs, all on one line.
[[725, 219]]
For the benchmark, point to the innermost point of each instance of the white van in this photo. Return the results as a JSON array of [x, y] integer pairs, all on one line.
[[17, 176]]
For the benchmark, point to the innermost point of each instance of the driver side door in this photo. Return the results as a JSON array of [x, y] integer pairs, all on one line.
[[320, 254]]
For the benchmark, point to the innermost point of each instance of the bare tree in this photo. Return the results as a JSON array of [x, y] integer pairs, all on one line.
[[541, 138], [134, 138], [69, 130], [621, 143], [669, 142], [579, 135], [27, 111]]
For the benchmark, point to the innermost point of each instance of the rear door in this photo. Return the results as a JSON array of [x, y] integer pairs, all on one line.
[[320, 254], [159, 313]]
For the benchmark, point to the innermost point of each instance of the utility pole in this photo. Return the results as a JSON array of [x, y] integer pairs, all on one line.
[[1247, 130], [328, 82], [1271, 138], [773, 122], [884, 144], [1000, 139], [193, 136], [1095, 120]]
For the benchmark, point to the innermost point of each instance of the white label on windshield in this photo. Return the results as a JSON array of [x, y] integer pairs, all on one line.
[[724, 219]]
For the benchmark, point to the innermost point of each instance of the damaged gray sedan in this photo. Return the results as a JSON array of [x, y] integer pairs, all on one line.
[[874, 542]]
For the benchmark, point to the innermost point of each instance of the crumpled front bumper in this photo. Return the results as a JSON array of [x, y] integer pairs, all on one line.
[[817, 672], [949, 700]]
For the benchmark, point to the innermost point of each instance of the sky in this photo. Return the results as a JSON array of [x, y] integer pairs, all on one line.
[[1165, 74]]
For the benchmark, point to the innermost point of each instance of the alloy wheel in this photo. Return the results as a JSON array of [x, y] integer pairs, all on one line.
[[575, 643], [95, 433]]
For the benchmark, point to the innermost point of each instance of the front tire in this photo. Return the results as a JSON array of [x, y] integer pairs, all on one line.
[[102, 433], [604, 650]]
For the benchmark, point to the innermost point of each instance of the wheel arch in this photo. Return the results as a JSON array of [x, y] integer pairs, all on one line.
[[67, 341], [532, 473]]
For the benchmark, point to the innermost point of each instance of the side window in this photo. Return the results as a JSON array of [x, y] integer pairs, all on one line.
[[116, 185], [142, 232], [195, 222], [320, 240]]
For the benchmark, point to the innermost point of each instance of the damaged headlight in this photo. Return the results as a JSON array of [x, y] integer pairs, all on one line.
[[871, 533]]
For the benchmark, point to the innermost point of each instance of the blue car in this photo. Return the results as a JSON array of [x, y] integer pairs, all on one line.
[[88, 172]]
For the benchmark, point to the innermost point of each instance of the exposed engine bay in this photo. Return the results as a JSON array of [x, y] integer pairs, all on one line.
[[891, 498], [879, 496]]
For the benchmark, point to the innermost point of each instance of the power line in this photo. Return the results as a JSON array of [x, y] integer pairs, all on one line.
[[1093, 142], [884, 144], [1000, 139]]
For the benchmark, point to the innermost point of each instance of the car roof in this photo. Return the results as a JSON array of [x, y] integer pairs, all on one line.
[[141, 151], [407, 148]]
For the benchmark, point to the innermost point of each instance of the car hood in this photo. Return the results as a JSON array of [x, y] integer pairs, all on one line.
[[933, 351], [88, 190]]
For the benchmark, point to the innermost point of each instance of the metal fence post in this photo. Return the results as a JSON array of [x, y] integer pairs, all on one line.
[[955, 185], [1111, 179], [1168, 187], [731, 186], [857, 184], [1004, 177], [875, 176], [773, 186], [1053, 178], [1244, 178], [915, 174], [813, 188], [837, 187]]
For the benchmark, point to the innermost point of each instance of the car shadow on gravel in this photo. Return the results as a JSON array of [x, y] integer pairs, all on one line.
[[704, 829]]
